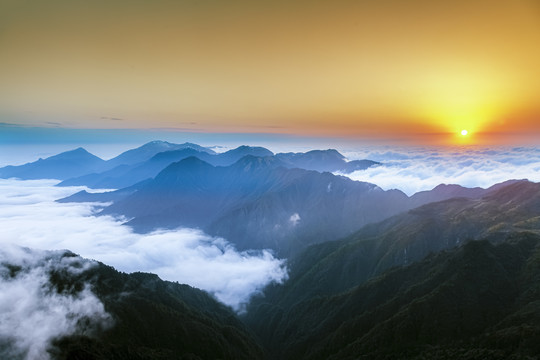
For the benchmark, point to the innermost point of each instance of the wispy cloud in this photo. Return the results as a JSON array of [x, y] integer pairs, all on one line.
[[416, 169], [30, 217], [111, 118]]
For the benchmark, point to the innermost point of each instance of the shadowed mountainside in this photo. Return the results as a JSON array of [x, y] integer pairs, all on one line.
[[150, 318], [478, 301], [256, 203], [333, 267]]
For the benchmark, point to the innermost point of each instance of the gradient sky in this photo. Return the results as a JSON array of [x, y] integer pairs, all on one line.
[[417, 70]]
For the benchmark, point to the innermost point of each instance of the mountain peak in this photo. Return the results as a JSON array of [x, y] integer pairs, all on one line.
[[75, 154], [251, 162], [191, 163], [251, 150]]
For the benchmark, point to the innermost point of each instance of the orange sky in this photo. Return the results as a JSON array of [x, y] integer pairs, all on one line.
[[390, 69]]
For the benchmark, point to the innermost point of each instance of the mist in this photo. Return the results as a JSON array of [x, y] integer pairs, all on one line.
[[412, 169], [30, 217], [33, 312]]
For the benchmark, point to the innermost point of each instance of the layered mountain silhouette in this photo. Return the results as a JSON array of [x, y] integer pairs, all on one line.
[[79, 162], [149, 150], [458, 278], [127, 174], [257, 203], [448, 273], [324, 160]]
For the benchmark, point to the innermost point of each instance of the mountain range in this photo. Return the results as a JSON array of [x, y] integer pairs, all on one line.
[[450, 273], [257, 203], [434, 282], [79, 167]]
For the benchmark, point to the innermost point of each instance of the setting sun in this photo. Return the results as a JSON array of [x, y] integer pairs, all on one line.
[[464, 132]]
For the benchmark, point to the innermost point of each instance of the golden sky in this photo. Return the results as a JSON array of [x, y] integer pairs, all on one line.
[[391, 69]]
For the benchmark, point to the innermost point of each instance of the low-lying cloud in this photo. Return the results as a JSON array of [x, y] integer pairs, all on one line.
[[30, 217], [33, 312], [417, 169]]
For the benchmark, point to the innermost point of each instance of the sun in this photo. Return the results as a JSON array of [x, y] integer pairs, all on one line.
[[464, 132]]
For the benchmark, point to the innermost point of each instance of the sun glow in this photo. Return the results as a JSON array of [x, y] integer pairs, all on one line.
[[464, 132]]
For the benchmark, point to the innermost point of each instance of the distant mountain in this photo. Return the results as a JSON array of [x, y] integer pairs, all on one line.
[[88, 168], [230, 157], [445, 192], [257, 203], [128, 172], [148, 150], [65, 165], [479, 301], [324, 160], [151, 318], [416, 285], [127, 175]]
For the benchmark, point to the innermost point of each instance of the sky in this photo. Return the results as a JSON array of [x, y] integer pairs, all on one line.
[[397, 71]]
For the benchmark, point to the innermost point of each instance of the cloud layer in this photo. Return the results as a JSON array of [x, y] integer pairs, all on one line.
[[416, 169], [33, 312], [30, 217]]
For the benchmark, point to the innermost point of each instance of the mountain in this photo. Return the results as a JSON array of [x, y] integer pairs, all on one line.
[[330, 268], [148, 318], [324, 160], [90, 169], [148, 150], [479, 301], [148, 160], [453, 279], [103, 197], [257, 203], [449, 191], [230, 157], [64, 165], [127, 175]]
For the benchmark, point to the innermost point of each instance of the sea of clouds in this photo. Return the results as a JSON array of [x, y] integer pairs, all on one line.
[[30, 217], [413, 169]]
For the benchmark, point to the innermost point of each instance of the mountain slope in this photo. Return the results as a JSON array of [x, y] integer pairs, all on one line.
[[148, 150], [64, 165], [256, 203], [330, 268], [142, 317], [148, 160], [478, 301], [126, 175], [324, 160]]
